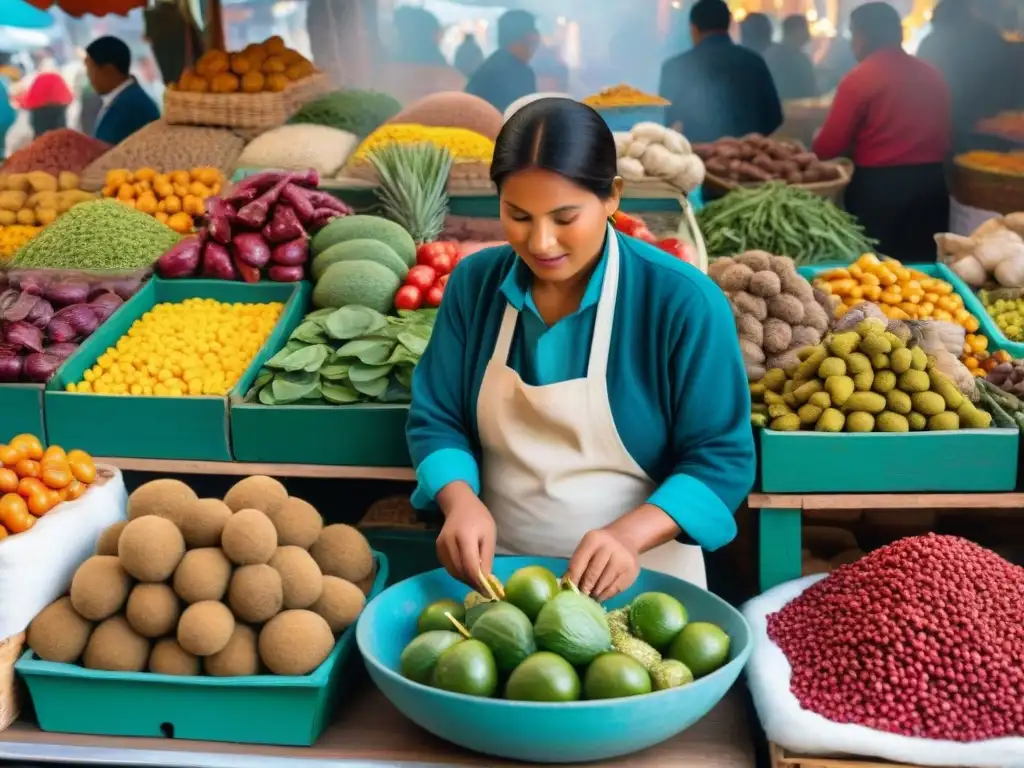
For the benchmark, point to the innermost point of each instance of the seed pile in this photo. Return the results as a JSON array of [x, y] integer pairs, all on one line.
[[56, 151], [920, 638], [358, 112], [167, 148], [97, 236], [452, 109]]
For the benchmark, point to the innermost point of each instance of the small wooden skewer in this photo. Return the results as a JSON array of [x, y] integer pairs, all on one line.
[[498, 586], [486, 584], [458, 625], [572, 586]]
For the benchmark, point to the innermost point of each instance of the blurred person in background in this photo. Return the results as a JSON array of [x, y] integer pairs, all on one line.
[[791, 68], [976, 62], [718, 88], [8, 115], [506, 74], [552, 73], [756, 32], [126, 107], [891, 114], [46, 98], [174, 37], [469, 55], [415, 66], [836, 63]]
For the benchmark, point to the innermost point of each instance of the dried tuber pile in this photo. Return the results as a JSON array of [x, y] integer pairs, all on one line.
[[922, 637], [775, 309], [992, 255], [758, 158]]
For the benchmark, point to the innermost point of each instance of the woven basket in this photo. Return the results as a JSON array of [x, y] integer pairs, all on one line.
[[10, 650], [830, 190], [988, 190], [245, 111]]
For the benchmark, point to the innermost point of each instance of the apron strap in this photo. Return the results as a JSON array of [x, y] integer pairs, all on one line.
[[505, 333], [605, 318]]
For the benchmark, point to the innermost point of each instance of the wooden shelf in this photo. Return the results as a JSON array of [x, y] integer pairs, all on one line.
[[314, 471], [370, 733]]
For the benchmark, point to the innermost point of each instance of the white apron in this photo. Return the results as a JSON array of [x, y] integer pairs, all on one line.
[[554, 466]]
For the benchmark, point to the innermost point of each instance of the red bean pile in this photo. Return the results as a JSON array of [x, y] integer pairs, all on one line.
[[56, 151], [924, 637]]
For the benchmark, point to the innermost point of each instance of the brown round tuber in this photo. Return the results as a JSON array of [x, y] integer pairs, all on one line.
[[239, 658], [115, 647], [249, 538], [169, 658], [257, 492], [301, 580], [203, 574], [205, 628], [152, 610], [107, 543], [150, 548], [99, 587], [340, 550], [202, 522], [165, 498], [58, 633], [256, 593], [340, 603], [295, 642], [297, 523]]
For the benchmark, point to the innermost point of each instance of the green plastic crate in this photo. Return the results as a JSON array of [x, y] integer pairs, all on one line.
[[971, 460], [21, 410], [996, 338], [159, 427], [410, 552], [263, 709]]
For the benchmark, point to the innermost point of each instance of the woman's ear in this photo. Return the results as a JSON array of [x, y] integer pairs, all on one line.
[[611, 204]]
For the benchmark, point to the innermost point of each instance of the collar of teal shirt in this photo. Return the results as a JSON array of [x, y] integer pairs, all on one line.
[[516, 286]]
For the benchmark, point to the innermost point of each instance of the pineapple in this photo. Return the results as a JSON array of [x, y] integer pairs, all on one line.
[[413, 187]]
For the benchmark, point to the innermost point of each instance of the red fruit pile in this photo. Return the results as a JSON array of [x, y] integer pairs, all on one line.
[[922, 638], [635, 227], [424, 285]]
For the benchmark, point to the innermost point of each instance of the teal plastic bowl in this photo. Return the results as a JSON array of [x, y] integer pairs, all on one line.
[[541, 732]]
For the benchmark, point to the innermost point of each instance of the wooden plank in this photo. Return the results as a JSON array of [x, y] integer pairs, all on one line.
[[888, 501], [782, 758], [314, 471]]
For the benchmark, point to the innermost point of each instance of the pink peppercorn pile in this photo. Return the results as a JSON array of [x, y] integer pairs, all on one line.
[[924, 637]]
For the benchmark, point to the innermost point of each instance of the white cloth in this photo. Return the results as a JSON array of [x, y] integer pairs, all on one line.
[[108, 98], [554, 466], [803, 732], [36, 566]]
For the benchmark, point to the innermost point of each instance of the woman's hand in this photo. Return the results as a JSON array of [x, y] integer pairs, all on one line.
[[466, 543], [604, 565]]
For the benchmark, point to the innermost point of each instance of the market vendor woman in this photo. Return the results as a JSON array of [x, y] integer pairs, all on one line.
[[583, 394]]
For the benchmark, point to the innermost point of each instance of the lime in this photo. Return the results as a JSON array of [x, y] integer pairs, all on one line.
[[433, 616], [508, 633], [701, 646], [530, 587], [543, 677], [467, 667], [474, 612], [420, 656], [656, 618], [670, 674], [615, 675]]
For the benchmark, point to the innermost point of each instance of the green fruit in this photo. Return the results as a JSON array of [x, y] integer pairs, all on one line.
[[857, 362], [365, 283], [944, 421], [420, 656], [900, 360], [917, 421], [859, 421], [477, 610], [898, 402], [508, 633], [543, 677], [702, 647], [914, 380], [885, 381], [832, 366], [656, 618], [888, 421], [928, 403], [670, 674], [354, 250], [474, 598], [918, 359], [872, 402], [831, 420], [839, 389], [468, 668], [874, 344], [347, 228], [573, 626], [623, 642], [530, 587], [614, 676], [433, 616], [790, 422]]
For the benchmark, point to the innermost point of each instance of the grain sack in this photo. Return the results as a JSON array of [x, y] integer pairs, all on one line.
[[453, 109], [298, 147], [166, 148]]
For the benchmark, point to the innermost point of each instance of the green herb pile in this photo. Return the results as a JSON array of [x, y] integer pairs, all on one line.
[[344, 356], [783, 220], [102, 235], [358, 112]]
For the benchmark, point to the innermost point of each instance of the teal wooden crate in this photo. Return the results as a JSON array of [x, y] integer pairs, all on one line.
[[969, 460], [263, 709], [159, 427], [997, 339], [410, 552], [21, 411]]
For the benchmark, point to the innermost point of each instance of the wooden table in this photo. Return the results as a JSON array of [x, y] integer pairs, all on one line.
[[780, 517], [370, 733]]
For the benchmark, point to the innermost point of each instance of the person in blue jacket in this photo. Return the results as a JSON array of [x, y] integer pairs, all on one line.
[[126, 107], [583, 394]]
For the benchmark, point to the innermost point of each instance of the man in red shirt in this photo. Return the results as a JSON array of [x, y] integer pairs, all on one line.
[[891, 114]]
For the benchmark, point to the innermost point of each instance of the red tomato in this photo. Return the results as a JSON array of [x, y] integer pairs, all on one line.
[[643, 233], [434, 296], [443, 280], [443, 263], [421, 276], [427, 252], [673, 246], [627, 224], [409, 297]]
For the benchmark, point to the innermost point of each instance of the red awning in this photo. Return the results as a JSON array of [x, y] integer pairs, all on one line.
[[95, 7]]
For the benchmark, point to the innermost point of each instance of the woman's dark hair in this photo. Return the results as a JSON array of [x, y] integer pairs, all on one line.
[[559, 135]]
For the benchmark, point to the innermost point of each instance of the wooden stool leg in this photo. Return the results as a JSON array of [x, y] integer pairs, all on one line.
[[779, 546]]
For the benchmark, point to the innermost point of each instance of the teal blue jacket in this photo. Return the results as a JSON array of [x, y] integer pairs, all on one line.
[[676, 380]]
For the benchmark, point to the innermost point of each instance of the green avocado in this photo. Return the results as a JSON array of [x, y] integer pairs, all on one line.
[[433, 616], [477, 610], [467, 667], [543, 677], [656, 618], [614, 676], [701, 646], [573, 626], [530, 588], [419, 657], [508, 633]]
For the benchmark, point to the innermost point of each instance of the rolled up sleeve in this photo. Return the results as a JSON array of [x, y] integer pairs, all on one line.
[[712, 441], [437, 431]]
